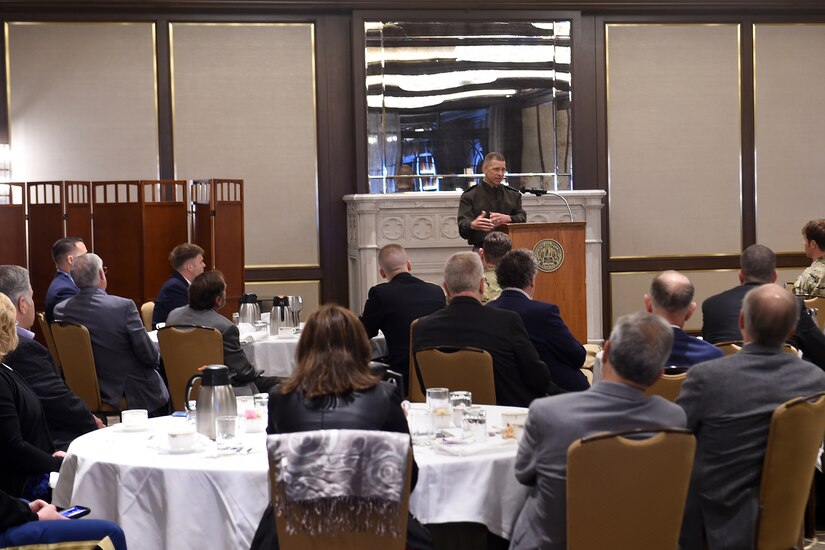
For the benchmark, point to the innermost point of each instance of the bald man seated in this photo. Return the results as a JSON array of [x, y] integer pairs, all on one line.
[[729, 403], [671, 298], [393, 306]]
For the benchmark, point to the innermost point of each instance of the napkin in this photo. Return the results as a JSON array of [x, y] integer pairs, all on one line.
[[492, 445], [249, 337]]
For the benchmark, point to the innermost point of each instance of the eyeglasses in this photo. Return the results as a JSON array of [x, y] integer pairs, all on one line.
[[105, 269]]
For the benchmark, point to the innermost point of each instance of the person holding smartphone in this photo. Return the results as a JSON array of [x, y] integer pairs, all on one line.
[[38, 522]]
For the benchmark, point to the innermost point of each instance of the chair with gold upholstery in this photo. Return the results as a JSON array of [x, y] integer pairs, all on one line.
[[47, 334], [729, 348], [670, 384], [818, 306], [794, 439], [351, 532], [146, 312], [184, 349], [74, 346], [456, 368], [620, 478]]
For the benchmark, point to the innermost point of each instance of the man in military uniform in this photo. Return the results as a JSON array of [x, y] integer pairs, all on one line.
[[812, 281], [488, 205]]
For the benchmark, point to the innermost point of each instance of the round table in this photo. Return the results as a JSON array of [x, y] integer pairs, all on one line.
[[208, 500]]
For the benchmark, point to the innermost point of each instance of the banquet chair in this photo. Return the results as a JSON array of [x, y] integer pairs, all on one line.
[[348, 538], [456, 368], [146, 312], [729, 348], [619, 478], [47, 334], [797, 428], [184, 349], [74, 346], [670, 383], [818, 306]]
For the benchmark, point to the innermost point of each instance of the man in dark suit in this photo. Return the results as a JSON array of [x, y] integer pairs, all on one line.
[[66, 414], [720, 313], [519, 374], [187, 263], [391, 307], [557, 347], [62, 287], [125, 358], [206, 296], [729, 403], [671, 298], [633, 360]]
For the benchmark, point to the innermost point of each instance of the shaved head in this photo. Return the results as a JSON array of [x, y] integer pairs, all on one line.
[[769, 315], [392, 259]]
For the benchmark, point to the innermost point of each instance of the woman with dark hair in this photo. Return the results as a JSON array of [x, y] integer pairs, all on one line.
[[28, 452], [332, 388]]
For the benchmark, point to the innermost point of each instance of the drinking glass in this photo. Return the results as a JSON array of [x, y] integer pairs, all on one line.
[[422, 426], [227, 433], [474, 424], [438, 402], [460, 401]]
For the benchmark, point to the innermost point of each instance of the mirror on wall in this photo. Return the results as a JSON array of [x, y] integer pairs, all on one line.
[[441, 95]]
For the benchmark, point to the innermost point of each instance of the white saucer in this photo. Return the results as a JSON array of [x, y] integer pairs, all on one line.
[[160, 443], [131, 429]]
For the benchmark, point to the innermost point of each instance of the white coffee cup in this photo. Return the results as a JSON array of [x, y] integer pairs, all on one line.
[[182, 439], [134, 419]]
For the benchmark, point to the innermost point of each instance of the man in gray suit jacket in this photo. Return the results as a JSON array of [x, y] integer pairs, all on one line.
[[729, 403], [207, 294], [125, 358], [634, 357]]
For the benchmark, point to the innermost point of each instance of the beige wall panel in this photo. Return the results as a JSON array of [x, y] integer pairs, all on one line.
[[83, 101], [629, 288], [674, 139], [787, 275], [790, 131], [244, 107], [310, 291]]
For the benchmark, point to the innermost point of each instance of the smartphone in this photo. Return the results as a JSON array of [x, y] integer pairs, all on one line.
[[75, 512]]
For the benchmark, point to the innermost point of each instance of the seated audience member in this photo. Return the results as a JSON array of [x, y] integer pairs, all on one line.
[[66, 414], [496, 245], [812, 281], [720, 313], [729, 403], [391, 307], [332, 388], [37, 522], [520, 375], [557, 346], [64, 252], [125, 359], [671, 298], [634, 357], [187, 263], [28, 452], [207, 294]]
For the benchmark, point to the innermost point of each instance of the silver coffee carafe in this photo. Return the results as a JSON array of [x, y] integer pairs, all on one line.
[[215, 398], [250, 309], [281, 315]]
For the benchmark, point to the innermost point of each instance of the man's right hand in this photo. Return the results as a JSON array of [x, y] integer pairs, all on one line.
[[482, 223], [45, 511]]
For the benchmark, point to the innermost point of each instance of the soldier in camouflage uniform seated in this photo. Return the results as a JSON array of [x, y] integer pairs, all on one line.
[[812, 281]]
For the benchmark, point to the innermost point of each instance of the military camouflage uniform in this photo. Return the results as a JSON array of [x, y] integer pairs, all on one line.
[[491, 288], [487, 198], [812, 281]]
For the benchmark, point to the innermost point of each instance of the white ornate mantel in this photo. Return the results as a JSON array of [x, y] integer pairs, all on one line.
[[425, 224]]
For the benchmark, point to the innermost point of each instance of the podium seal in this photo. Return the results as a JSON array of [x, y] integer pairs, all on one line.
[[549, 255]]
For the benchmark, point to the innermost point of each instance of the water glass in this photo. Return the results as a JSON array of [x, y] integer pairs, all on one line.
[[244, 403], [422, 426], [460, 401], [474, 424], [438, 402], [227, 433]]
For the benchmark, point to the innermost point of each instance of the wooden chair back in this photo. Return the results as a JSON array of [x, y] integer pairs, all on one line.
[[184, 349], [620, 479], [146, 312], [74, 346], [346, 540], [729, 348], [670, 384], [457, 368], [796, 432], [47, 334]]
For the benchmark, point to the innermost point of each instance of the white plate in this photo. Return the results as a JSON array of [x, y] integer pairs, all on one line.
[[131, 429]]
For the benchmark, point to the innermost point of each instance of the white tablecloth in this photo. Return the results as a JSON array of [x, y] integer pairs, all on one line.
[[167, 501], [275, 355]]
